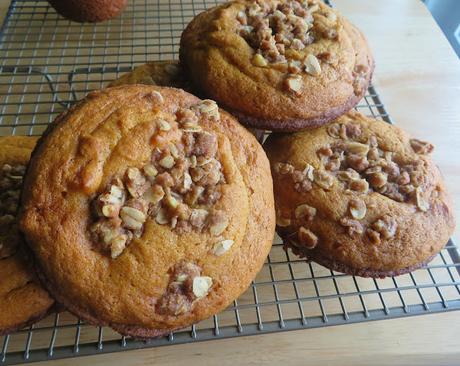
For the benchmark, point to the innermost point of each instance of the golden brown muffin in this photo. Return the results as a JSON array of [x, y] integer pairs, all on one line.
[[359, 196], [278, 65], [160, 73], [22, 300], [89, 10], [148, 209]]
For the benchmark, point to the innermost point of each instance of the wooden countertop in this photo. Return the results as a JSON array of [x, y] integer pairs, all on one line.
[[418, 78]]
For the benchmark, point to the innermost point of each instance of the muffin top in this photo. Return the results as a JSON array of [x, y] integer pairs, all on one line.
[[148, 209], [280, 65], [359, 193], [21, 297], [161, 73]]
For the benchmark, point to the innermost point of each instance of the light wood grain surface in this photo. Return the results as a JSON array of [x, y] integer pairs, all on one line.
[[418, 78]]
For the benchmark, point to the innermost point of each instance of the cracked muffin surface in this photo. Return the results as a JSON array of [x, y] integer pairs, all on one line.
[[157, 213], [22, 299], [359, 196], [280, 65]]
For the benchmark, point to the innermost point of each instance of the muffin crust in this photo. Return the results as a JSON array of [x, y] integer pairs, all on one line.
[[359, 196], [164, 278], [279, 65]]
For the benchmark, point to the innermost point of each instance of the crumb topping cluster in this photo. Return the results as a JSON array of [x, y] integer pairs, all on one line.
[[359, 167], [178, 187], [186, 286], [280, 31]]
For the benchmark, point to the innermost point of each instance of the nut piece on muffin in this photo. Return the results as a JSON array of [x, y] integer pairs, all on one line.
[[162, 203], [22, 300], [359, 196], [281, 65], [92, 11]]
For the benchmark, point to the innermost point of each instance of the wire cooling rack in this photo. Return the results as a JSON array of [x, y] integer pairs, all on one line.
[[48, 62]]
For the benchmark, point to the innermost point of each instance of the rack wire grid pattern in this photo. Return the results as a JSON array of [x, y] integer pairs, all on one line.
[[48, 62]]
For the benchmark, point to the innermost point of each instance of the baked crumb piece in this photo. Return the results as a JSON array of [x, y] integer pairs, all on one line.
[[186, 286]]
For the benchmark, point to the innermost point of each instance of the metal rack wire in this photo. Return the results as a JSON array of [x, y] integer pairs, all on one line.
[[47, 62]]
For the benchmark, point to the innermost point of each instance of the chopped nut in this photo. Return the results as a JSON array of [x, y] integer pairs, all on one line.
[[110, 210], [161, 217], [312, 65], [154, 194], [307, 238], [294, 66], [353, 130], [305, 211], [323, 179], [218, 222], [209, 108], [324, 151], [421, 147], [373, 169], [187, 181], [186, 117], [386, 226], [135, 182], [198, 218], [359, 185], [348, 175], [156, 97], [201, 286], [132, 218], [333, 164], [407, 189], [194, 194], [167, 162], [163, 125], [150, 171], [373, 154], [222, 247], [174, 151], [357, 208], [110, 203], [378, 179], [308, 172], [404, 178], [205, 147], [193, 161], [165, 180], [294, 84], [357, 162], [422, 202], [357, 148], [353, 226], [259, 60], [334, 130]]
